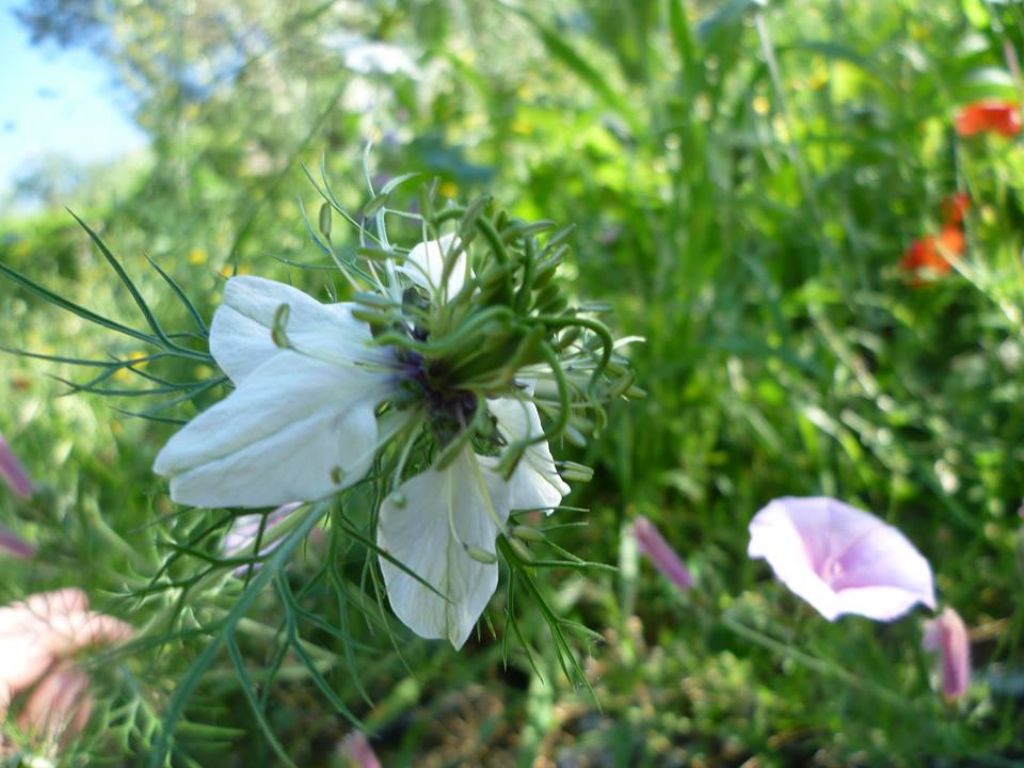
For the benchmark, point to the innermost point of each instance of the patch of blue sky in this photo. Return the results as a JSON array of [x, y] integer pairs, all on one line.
[[56, 102]]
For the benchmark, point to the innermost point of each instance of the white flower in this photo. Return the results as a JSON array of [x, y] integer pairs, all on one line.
[[302, 424], [368, 57], [424, 266]]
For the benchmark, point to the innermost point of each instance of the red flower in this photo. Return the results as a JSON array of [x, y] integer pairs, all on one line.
[[933, 253], [990, 116], [954, 208]]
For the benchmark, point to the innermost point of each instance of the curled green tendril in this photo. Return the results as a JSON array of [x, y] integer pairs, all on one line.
[[596, 327], [451, 341]]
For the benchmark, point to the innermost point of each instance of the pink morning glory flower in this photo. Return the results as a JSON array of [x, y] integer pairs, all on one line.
[[948, 635], [840, 559]]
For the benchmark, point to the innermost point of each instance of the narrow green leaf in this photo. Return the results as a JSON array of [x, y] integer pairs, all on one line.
[[59, 301], [123, 276]]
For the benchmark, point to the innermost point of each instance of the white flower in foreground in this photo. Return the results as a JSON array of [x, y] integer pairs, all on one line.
[[302, 425], [840, 559]]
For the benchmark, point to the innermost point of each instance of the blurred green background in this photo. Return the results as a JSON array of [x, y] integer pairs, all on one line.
[[744, 178]]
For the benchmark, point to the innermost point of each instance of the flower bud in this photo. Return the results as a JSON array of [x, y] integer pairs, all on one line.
[[653, 545], [520, 551], [357, 749], [325, 220], [481, 555], [16, 546], [12, 472], [547, 295], [635, 393], [576, 473], [621, 386], [544, 272], [375, 204], [376, 254], [574, 436], [278, 334], [373, 300], [948, 635], [372, 318], [494, 275], [526, 533]]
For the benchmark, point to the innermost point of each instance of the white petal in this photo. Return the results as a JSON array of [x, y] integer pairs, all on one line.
[[425, 265], [415, 527], [295, 429], [535, 483], [240, 334]]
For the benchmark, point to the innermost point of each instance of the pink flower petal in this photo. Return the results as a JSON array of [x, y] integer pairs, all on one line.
[[840, 559], [12, 472], [245, 530], [948, 635], [46, 628], [59, 706], [652, 543]]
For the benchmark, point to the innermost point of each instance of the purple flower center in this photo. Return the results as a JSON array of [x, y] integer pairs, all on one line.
[[427, 382]]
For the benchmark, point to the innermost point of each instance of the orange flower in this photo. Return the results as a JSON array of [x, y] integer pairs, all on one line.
[[954, 208], [934, 253], [990, 116]]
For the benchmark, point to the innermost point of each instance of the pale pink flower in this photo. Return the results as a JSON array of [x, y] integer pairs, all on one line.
[[39, 640], [59, 705], [653, 545], [12, 472], [840, 559], [947, 635]]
